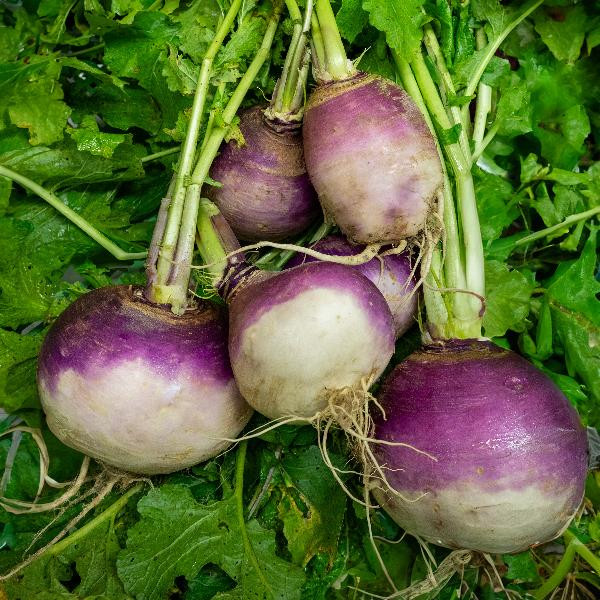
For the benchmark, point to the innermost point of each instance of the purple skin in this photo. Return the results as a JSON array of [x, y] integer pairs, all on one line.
[[133, 385], [391, 274], [266, 193], [297, 335], [371, 158], [510, 452]]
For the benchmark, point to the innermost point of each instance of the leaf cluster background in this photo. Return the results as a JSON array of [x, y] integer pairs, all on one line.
[[89, 90]]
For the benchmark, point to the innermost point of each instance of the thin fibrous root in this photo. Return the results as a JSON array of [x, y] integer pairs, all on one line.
[[105, 482], [18, 507], [455, 562], [349, 409], [369, 253]]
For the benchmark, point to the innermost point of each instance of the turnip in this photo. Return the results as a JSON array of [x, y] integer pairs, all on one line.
[[502, 455], [391, 273], [368, 150], [140, 378], [299, 338], [300, 335], [264, 191], [133, 385], [510, 452]]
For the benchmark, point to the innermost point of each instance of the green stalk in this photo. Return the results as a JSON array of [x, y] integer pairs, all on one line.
[[317, 44], [212, 114], [104, 516], [161, 154], [171, 235], [435, 53], [336, 63], [484, 105], [277, 104], [454, 275], [491, 48], [467, 308], [70, 214], [239, 503], [176, 290], [570, 220], [438, 317], [288, 100], [480, 147], [573, 546], [210, 244]]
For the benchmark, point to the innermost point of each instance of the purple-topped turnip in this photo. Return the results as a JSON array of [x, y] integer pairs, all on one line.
[[301, 334], [369, 152], [391, 273], [140, 379], [510, 452], [503, 455], [264, 191], [133, 385]]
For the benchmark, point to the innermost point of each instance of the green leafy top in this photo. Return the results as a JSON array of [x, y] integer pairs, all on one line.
[[91, 96]]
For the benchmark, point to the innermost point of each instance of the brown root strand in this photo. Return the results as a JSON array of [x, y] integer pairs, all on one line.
[[105, 482], [18, 507]]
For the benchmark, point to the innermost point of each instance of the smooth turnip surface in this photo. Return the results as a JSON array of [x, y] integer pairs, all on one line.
[[371, 158], [306, 331], [391, 274], [511, 452], [266, 193], [129, 383]]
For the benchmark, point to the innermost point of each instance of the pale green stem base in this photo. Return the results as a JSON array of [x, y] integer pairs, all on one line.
[[171, 235]]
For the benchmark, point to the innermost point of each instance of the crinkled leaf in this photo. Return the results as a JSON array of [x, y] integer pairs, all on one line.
[[563, 29], [496, 205], [507, 299], [84, 569], [90, 139], [521, 567], [401, 21], [176, 536], [514, 110], [572, 296], [18, 354], [351, 19], [312, 523]]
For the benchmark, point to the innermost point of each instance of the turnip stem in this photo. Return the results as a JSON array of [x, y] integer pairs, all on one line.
[[435, 53], [176, 290], [467, 308], [161, 154], [210, 243], [104, 516], [576, 218], [573, 546], [70, 214], [454, 276], [336, 62], [240, 463], [484, 104], [288, 101], [186, 159], [277, 103], [492, 47], [480, 147], [317, 43]]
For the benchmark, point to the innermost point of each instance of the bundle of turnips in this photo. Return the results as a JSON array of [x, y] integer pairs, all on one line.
[[360, 303]]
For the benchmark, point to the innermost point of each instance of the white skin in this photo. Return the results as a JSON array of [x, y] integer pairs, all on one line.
[[319, 341], [135, 419], [494, 521]]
